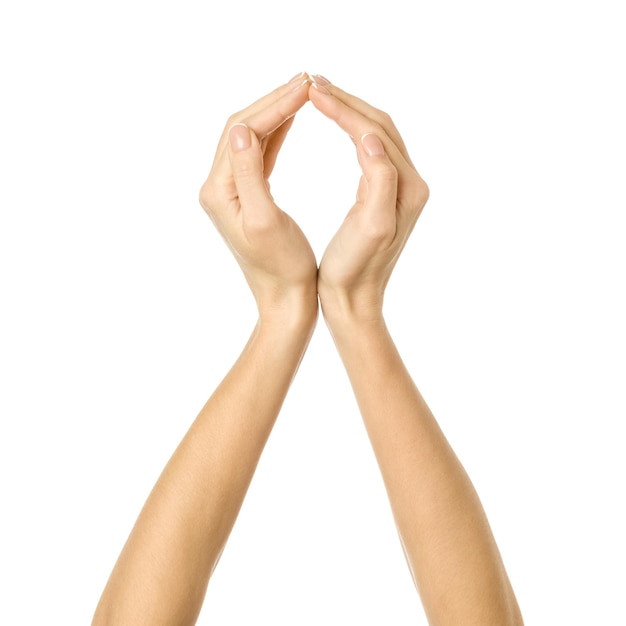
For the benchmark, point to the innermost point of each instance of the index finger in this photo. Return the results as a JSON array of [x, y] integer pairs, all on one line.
[[368, 111], [357, 123], [264, 116], [290, 105]]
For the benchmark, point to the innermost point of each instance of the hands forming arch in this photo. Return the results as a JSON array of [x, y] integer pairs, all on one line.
[[162, 573], [359, 259]]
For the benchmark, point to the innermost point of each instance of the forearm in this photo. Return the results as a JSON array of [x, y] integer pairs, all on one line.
[[444, 531], [162, 572]]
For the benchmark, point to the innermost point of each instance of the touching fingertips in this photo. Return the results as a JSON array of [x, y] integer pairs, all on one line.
[[372, 145], [299, 76], [297, 82], [318, 82], [239, 137]]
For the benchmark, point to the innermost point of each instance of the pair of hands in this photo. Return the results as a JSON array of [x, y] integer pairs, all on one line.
[[274, 254]]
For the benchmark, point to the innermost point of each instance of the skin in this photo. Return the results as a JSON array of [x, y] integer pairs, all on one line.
[[162, 573], [445, 534]]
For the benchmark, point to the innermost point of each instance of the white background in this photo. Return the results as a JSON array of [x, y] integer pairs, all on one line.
[[121, 309]]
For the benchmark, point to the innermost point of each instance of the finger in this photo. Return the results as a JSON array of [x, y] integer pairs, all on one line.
[[356, 125], [266, 120], [273, 144], [379, 205], [270, 98], [260, 104], [246, 161], [367, 110]]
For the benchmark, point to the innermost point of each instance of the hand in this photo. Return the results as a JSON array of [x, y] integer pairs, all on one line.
[[358, 261], [275, 256]]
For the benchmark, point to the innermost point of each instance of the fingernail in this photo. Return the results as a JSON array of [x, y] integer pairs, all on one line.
[[372, 145], [319, 86], [239, 137], [320, 80], [303, 81], [295, 78]]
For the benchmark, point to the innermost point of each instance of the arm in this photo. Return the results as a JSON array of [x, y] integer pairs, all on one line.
[[162, 574], [445, 534]]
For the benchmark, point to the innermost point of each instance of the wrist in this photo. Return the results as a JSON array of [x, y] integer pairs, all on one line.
[[296, 312], [358, 339], [343, 308]]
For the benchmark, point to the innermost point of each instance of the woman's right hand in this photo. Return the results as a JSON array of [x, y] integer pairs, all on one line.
[[275, 256], [358, 261]]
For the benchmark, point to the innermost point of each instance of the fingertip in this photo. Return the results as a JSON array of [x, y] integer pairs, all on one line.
[[320, 80], [318, 83], [298, 77], [322, 99], [239, 137]]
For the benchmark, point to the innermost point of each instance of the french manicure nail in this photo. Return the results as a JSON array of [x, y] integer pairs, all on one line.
[[320, 80], [319, 86], [297, 85], [239, 137], [372, 145], [295, 78]]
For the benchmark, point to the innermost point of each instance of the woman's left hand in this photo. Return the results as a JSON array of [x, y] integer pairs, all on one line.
[[275, 256]]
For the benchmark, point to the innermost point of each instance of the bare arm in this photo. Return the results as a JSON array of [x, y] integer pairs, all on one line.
[[449, 545], [162, 574]]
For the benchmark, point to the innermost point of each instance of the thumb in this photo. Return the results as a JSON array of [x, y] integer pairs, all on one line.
[[246, 162], [382, 179]]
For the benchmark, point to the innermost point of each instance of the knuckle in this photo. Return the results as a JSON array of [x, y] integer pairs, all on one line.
[[206, 195], [416, 194], [212, 196], [388, 175], [260, 223], [235, 118], [245, 169], [421, 192], [379, 229], [385, 176], [383, 118]]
